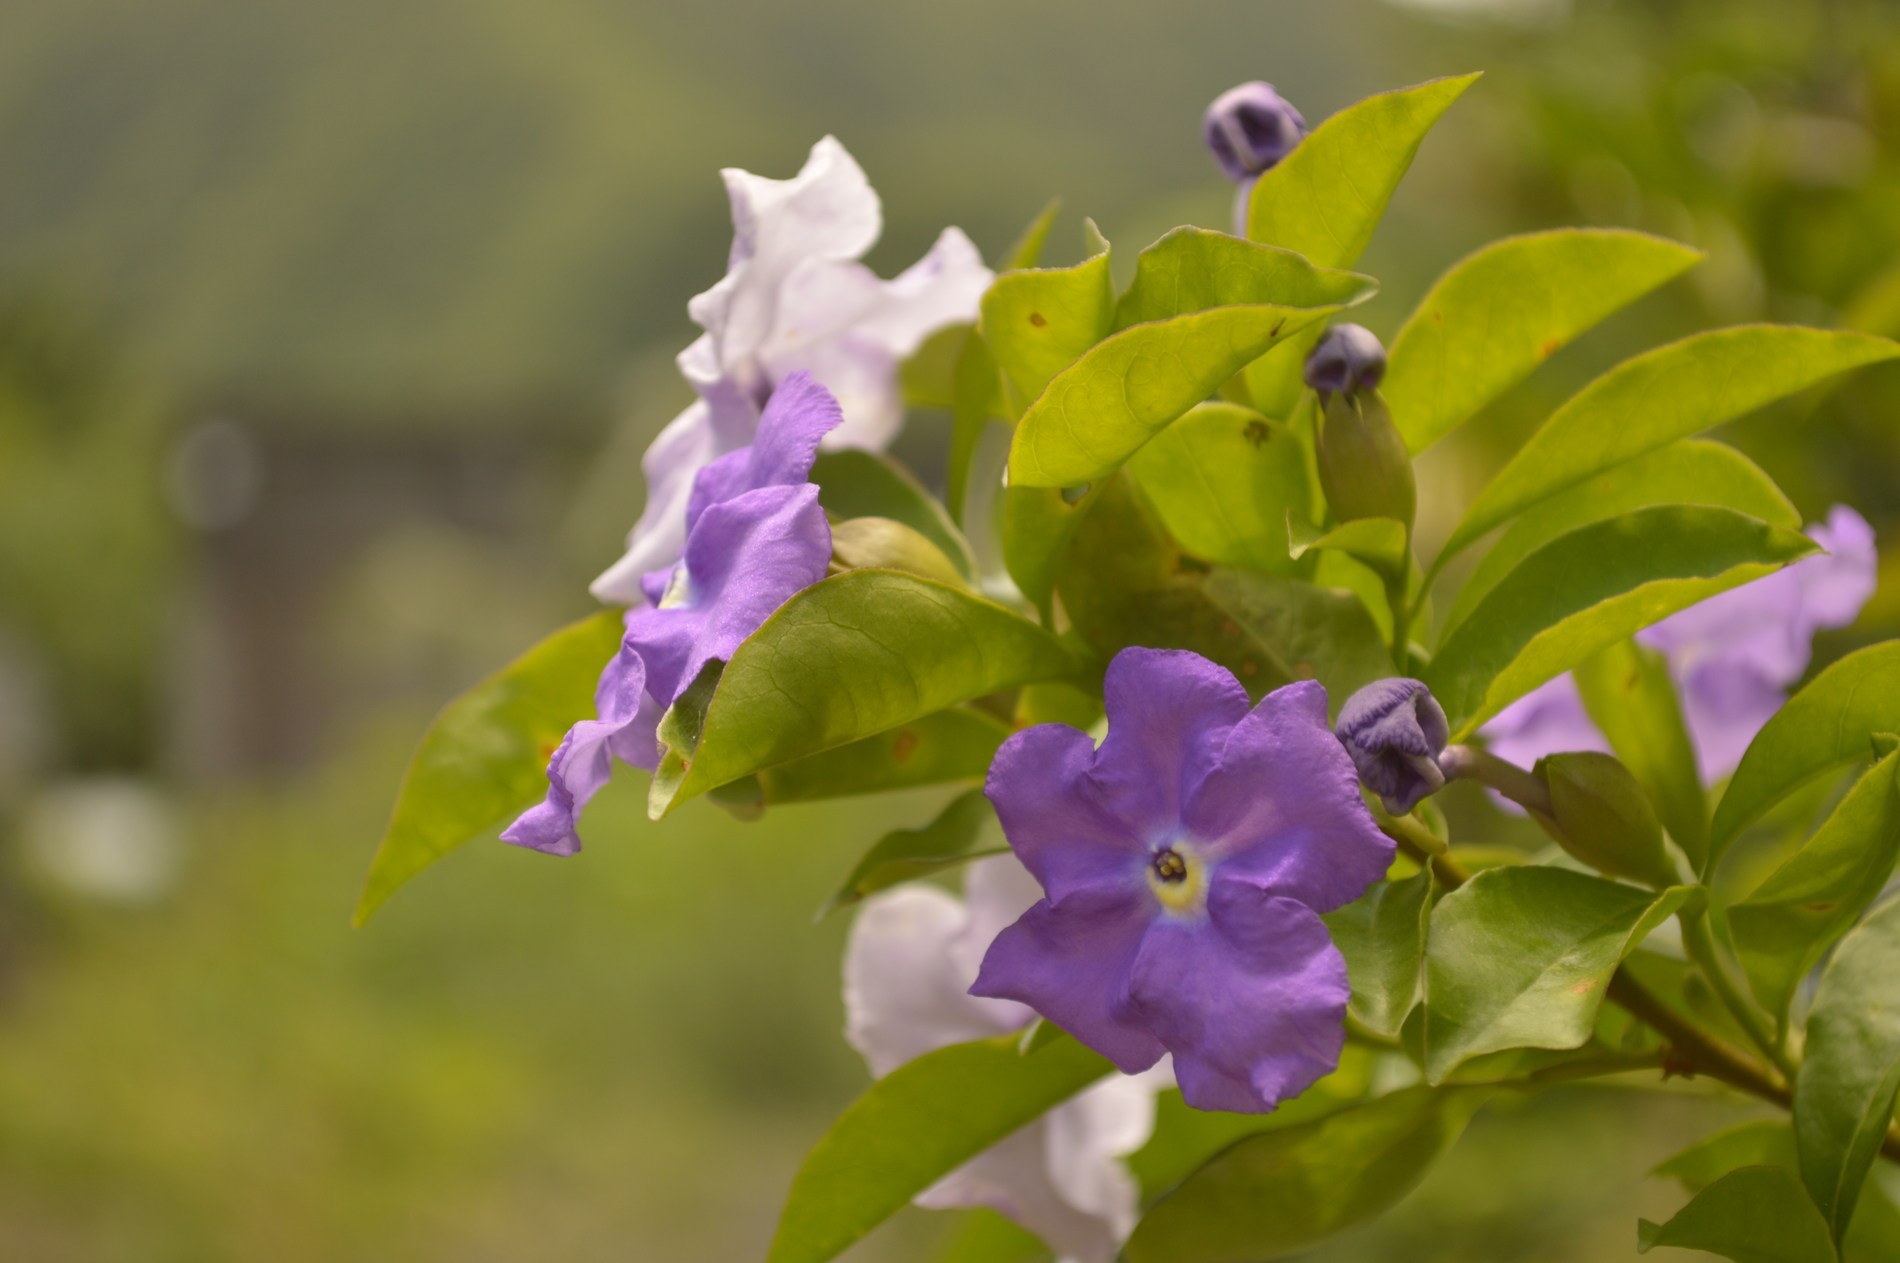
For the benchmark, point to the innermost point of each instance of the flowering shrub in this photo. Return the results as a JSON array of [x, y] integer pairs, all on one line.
[[1171, 614]]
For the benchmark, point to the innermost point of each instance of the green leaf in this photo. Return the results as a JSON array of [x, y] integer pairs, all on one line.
[[949, 745], [1324, 199], [1753, 1215], [1666, 394], [860, 543], [854, 655], [859, 484], [1039, 321], [1499, 313], [974, 400], [1282, 1191], [928, 376], [1222, 479], [1520, 958], [1202, 306], [1690, 471], [916, 1125], [1782, 929], [1590, 588], [1127, 584], [1827, 725], [486, 755], [1767, 1142], [1630, 698], [1382, 936], [905, 854], [1026, 252], [1037, 526], [1844, 1093], [1377, 541]]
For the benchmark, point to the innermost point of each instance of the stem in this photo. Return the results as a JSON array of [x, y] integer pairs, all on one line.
[[1699, 941], [1526, 789]]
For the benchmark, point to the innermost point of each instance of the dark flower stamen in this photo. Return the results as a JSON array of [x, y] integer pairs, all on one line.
[[1169, 866]]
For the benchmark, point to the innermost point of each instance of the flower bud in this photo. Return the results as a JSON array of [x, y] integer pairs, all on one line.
[[1250, 128], [1348, 358], [1395, 730], [1600, 814]]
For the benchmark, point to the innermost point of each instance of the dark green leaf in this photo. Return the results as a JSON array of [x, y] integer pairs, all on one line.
[[1782, 929], [916, 1125], [1127, 584], [1586, 590], [1282, 1191], [854, 483], [485, 757], [902, 855], [1689, 471], [1754, 1215], [1844, 1093], [1631, 699], [1207, 305], [1382, 936], [1828, 724], [1223, 479], [1520, 958], [974, 401], [1667, 394], [949, 745], [854, 655], [1499, 313]]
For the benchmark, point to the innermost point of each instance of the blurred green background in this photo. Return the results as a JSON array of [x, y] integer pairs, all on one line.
[[330, 336]]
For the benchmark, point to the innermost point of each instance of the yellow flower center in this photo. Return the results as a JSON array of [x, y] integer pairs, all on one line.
[[1178, 877]]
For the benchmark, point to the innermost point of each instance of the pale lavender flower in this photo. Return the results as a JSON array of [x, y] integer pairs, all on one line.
[[1185, 864], [1733, 657], [755, 536], [1394, 730], [794, 297], [912, 956]]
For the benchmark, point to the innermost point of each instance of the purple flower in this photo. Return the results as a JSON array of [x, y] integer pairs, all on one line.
[[794, 297], [1184, 865], [1733, 657], [754, 537], [1394, 730], [1251, 128], [1348, 358], [912, 956]]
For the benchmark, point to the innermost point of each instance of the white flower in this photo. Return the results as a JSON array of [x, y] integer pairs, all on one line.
[[913, 954], [795, 297]]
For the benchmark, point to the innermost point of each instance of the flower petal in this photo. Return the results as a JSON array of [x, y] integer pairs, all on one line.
[[686, 445], [1055, 815], [583, 762], [799, 415], [1169, 712], [904, 994], [1282, 805], [1013, 1178], [1069, 961], [1251, 999]]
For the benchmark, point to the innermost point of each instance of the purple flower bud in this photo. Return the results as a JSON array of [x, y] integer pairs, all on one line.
[[1395, 730], [1348, 358], [1250, 128]]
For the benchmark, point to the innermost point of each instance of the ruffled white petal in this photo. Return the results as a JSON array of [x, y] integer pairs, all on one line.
[[912, 954]]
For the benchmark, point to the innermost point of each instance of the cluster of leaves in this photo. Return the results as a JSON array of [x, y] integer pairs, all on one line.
[[1162, 490]]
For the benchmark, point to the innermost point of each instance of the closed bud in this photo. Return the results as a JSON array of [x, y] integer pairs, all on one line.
[[1364, 468], [1250, 128], [1395, 731], [1348, 358], [1600, 815]]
